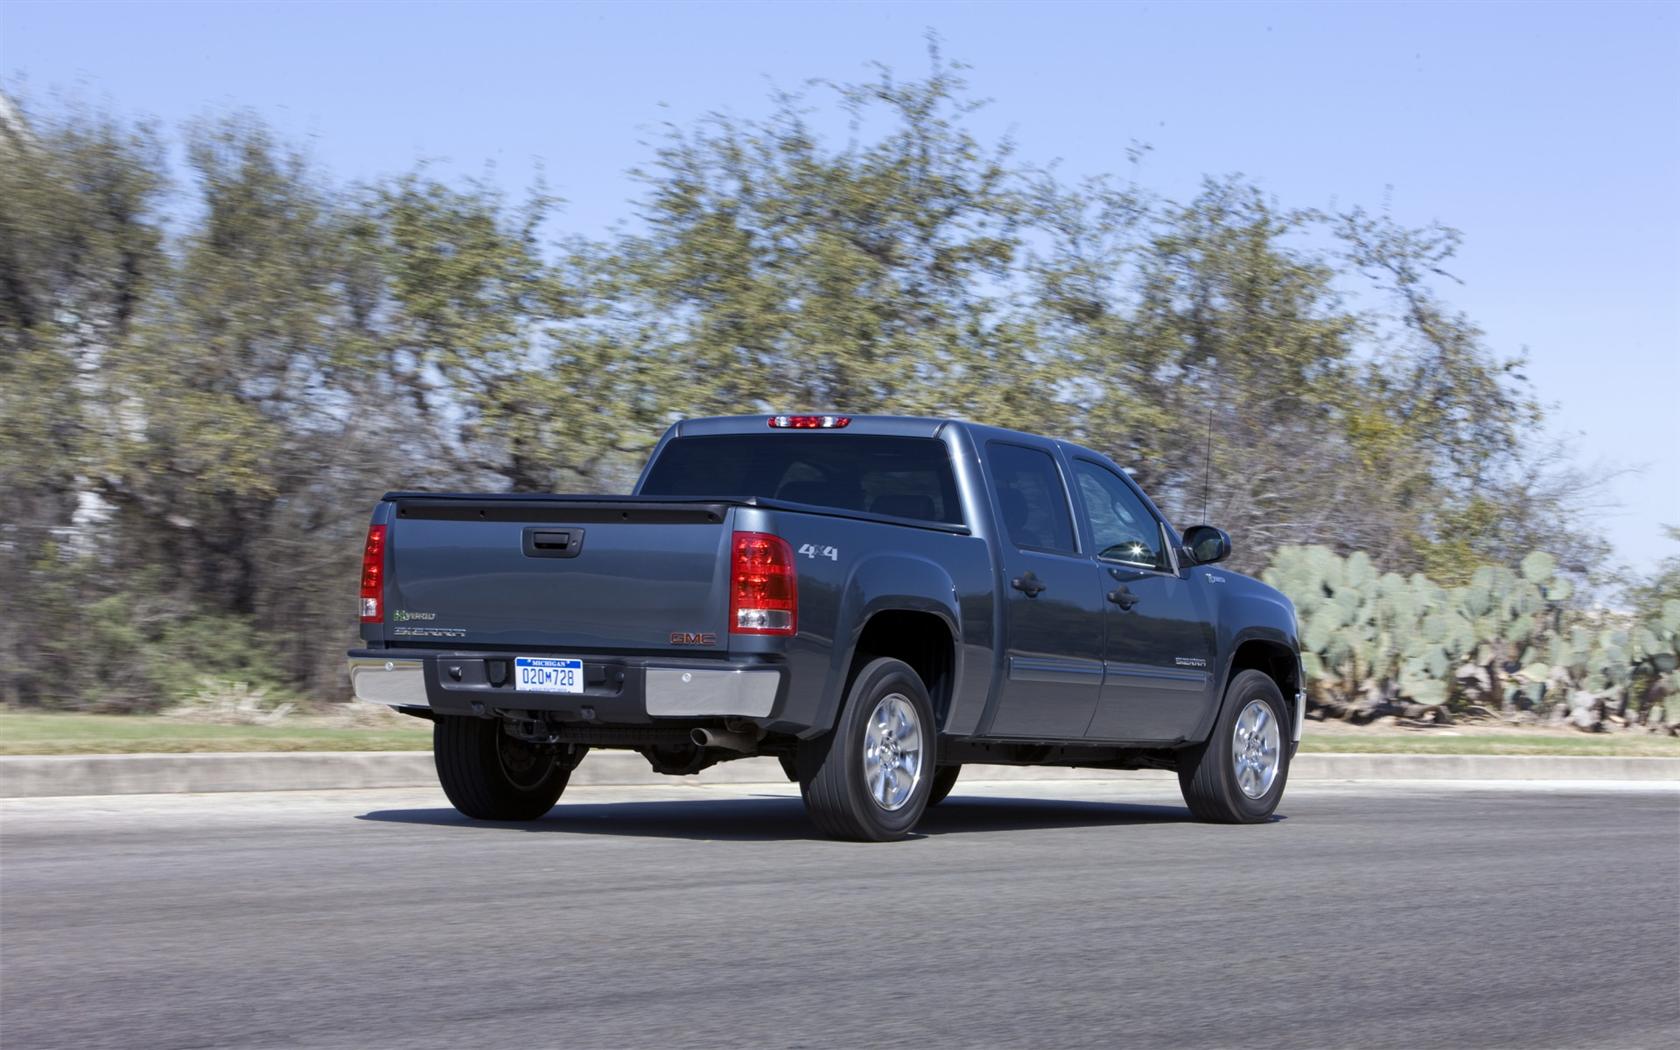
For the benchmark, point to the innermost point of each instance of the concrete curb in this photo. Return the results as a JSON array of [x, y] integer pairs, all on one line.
[[37, 776]]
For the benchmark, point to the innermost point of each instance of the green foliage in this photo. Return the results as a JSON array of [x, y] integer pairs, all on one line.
[[195, 415], [218, 648], [777, 270], [1504, 638], [134, 648], [1658, 598], [133, 659]]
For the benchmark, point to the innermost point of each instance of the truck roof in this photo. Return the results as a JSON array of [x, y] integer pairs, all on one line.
[[897, 426]]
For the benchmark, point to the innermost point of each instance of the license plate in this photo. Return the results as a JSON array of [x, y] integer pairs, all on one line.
[[538, 674]]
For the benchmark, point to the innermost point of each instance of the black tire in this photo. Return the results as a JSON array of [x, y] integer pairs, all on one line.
[[1207, 773], [944, 779], [831, 769], [489, 775]]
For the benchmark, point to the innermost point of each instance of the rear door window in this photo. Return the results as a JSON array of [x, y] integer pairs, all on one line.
[[1031, 497]]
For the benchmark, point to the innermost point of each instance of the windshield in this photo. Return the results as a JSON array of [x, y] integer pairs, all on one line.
[[897, 476]]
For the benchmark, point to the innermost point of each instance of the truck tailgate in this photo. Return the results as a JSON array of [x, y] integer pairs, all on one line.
[[567, 573]]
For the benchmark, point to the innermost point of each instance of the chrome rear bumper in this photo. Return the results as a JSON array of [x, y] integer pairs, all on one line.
[[669, 692], [691, 692], [395, 683]]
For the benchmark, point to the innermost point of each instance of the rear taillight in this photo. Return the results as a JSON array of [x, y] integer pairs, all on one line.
[[373, 575], [763, 588]]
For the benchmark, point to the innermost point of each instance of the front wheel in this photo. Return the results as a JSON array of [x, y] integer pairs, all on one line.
[[1237, 776], [489, 775], [870, 778]]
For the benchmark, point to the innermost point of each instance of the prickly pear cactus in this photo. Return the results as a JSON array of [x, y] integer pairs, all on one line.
[[1368, 638], [1372, 638], [1511, 614]]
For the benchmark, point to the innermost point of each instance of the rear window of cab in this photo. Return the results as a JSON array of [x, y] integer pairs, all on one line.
[[901, 477]]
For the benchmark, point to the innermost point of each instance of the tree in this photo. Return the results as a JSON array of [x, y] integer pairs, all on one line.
[[874, 275], [80, 254], [195, 416]]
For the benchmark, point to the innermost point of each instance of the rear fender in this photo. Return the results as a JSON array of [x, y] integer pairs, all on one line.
[[882, 583]]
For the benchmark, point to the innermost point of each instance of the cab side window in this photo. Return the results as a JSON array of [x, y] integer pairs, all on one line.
[[1123, 528], [1031, 495]]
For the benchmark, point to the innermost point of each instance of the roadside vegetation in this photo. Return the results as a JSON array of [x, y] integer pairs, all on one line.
[[210, 370], [71, 733], [1487, 738], [1508, 645]]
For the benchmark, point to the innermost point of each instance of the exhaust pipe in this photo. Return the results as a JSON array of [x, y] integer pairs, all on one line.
[[723, 739]]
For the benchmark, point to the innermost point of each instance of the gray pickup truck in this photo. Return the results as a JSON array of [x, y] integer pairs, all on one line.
[[874, 601]]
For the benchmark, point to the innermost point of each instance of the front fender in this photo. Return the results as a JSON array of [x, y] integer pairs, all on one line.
[[1249, 612]]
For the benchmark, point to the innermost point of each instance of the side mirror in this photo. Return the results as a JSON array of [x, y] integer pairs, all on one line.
[[1207, 544]]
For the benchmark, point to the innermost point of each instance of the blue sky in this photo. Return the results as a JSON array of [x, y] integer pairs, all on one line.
[[1550, 134]]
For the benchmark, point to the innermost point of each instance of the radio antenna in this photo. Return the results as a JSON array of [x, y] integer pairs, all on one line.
[[1207, 466]]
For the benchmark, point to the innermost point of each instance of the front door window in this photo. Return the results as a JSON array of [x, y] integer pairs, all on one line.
[[1122, 527]]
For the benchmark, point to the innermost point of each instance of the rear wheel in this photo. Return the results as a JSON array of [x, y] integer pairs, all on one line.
[[944, 779], [1237, 776], [869, 780], [489, 775]]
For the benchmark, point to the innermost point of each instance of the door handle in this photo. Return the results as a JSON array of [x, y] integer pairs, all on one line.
[[1123, 597], [1029, 585]]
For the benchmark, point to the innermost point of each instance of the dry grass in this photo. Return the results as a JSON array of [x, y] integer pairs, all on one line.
[[1482, 739], [367, 727], [362, 728]]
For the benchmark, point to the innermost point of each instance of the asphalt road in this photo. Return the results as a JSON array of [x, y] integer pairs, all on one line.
[[1421, 916]]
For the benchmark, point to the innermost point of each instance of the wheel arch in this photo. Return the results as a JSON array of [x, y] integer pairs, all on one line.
[[902, 607], [1278, 660], [921, 639]]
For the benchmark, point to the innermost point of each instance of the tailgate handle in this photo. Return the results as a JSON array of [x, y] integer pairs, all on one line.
[[553, 543]]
